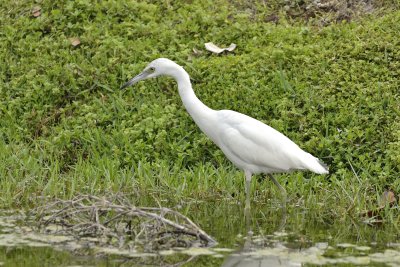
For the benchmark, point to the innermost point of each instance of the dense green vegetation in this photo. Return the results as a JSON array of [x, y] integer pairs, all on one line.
[[66, 128]]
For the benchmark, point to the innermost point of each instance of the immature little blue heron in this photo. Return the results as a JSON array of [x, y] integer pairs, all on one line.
[[250, 144]]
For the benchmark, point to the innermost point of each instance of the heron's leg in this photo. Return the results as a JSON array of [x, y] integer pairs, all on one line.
[[248, 180], [283, 191]]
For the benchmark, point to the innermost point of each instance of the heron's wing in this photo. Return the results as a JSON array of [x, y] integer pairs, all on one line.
[[256, 143]]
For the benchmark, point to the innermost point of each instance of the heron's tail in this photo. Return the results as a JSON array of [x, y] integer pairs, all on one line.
[[315, 165]]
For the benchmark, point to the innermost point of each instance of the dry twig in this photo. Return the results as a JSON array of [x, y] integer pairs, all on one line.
[[117, 222]]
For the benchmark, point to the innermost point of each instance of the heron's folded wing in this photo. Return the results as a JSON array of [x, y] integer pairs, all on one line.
[[257, 143]]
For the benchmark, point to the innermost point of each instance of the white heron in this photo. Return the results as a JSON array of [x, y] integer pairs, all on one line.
[[249, 144]]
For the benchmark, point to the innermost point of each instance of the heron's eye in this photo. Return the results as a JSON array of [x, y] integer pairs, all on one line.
[[152, 69]]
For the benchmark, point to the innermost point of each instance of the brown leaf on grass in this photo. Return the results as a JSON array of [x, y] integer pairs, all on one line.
[[75, 41], [217, 50], [272, 18], [36, 11], [374, 216], [388, 197]]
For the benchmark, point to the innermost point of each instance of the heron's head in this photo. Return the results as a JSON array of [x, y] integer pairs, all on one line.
[[160, 66]]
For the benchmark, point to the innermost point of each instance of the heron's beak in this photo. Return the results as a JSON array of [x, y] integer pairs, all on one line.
[[135, 79]]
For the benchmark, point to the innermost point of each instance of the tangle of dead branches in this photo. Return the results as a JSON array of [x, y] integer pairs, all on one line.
[[115, 222]]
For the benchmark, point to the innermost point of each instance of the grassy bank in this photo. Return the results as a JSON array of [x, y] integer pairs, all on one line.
[[65, 128]]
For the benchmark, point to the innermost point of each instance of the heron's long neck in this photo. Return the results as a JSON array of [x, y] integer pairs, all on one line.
[[197, 110]]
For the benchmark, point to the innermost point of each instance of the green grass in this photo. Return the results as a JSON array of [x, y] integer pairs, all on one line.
[[66, 128]]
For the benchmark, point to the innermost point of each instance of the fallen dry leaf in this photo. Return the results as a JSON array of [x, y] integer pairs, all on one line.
[[74, 41], [388, 198], [36, 11], [217, 50]]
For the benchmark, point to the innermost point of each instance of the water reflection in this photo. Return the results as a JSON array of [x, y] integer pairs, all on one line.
[[243, 257], [268, 235], [308, 239]]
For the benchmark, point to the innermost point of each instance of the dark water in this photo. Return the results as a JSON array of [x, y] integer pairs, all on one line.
[[270, 236]]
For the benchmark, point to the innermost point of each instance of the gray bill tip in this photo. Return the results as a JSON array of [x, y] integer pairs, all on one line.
[[129, 83], [134, 80]]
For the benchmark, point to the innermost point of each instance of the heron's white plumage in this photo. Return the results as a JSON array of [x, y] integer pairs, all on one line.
[[250, 144], [261, 149]]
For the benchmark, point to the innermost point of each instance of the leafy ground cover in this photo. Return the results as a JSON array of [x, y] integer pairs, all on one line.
[[66, 128]]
